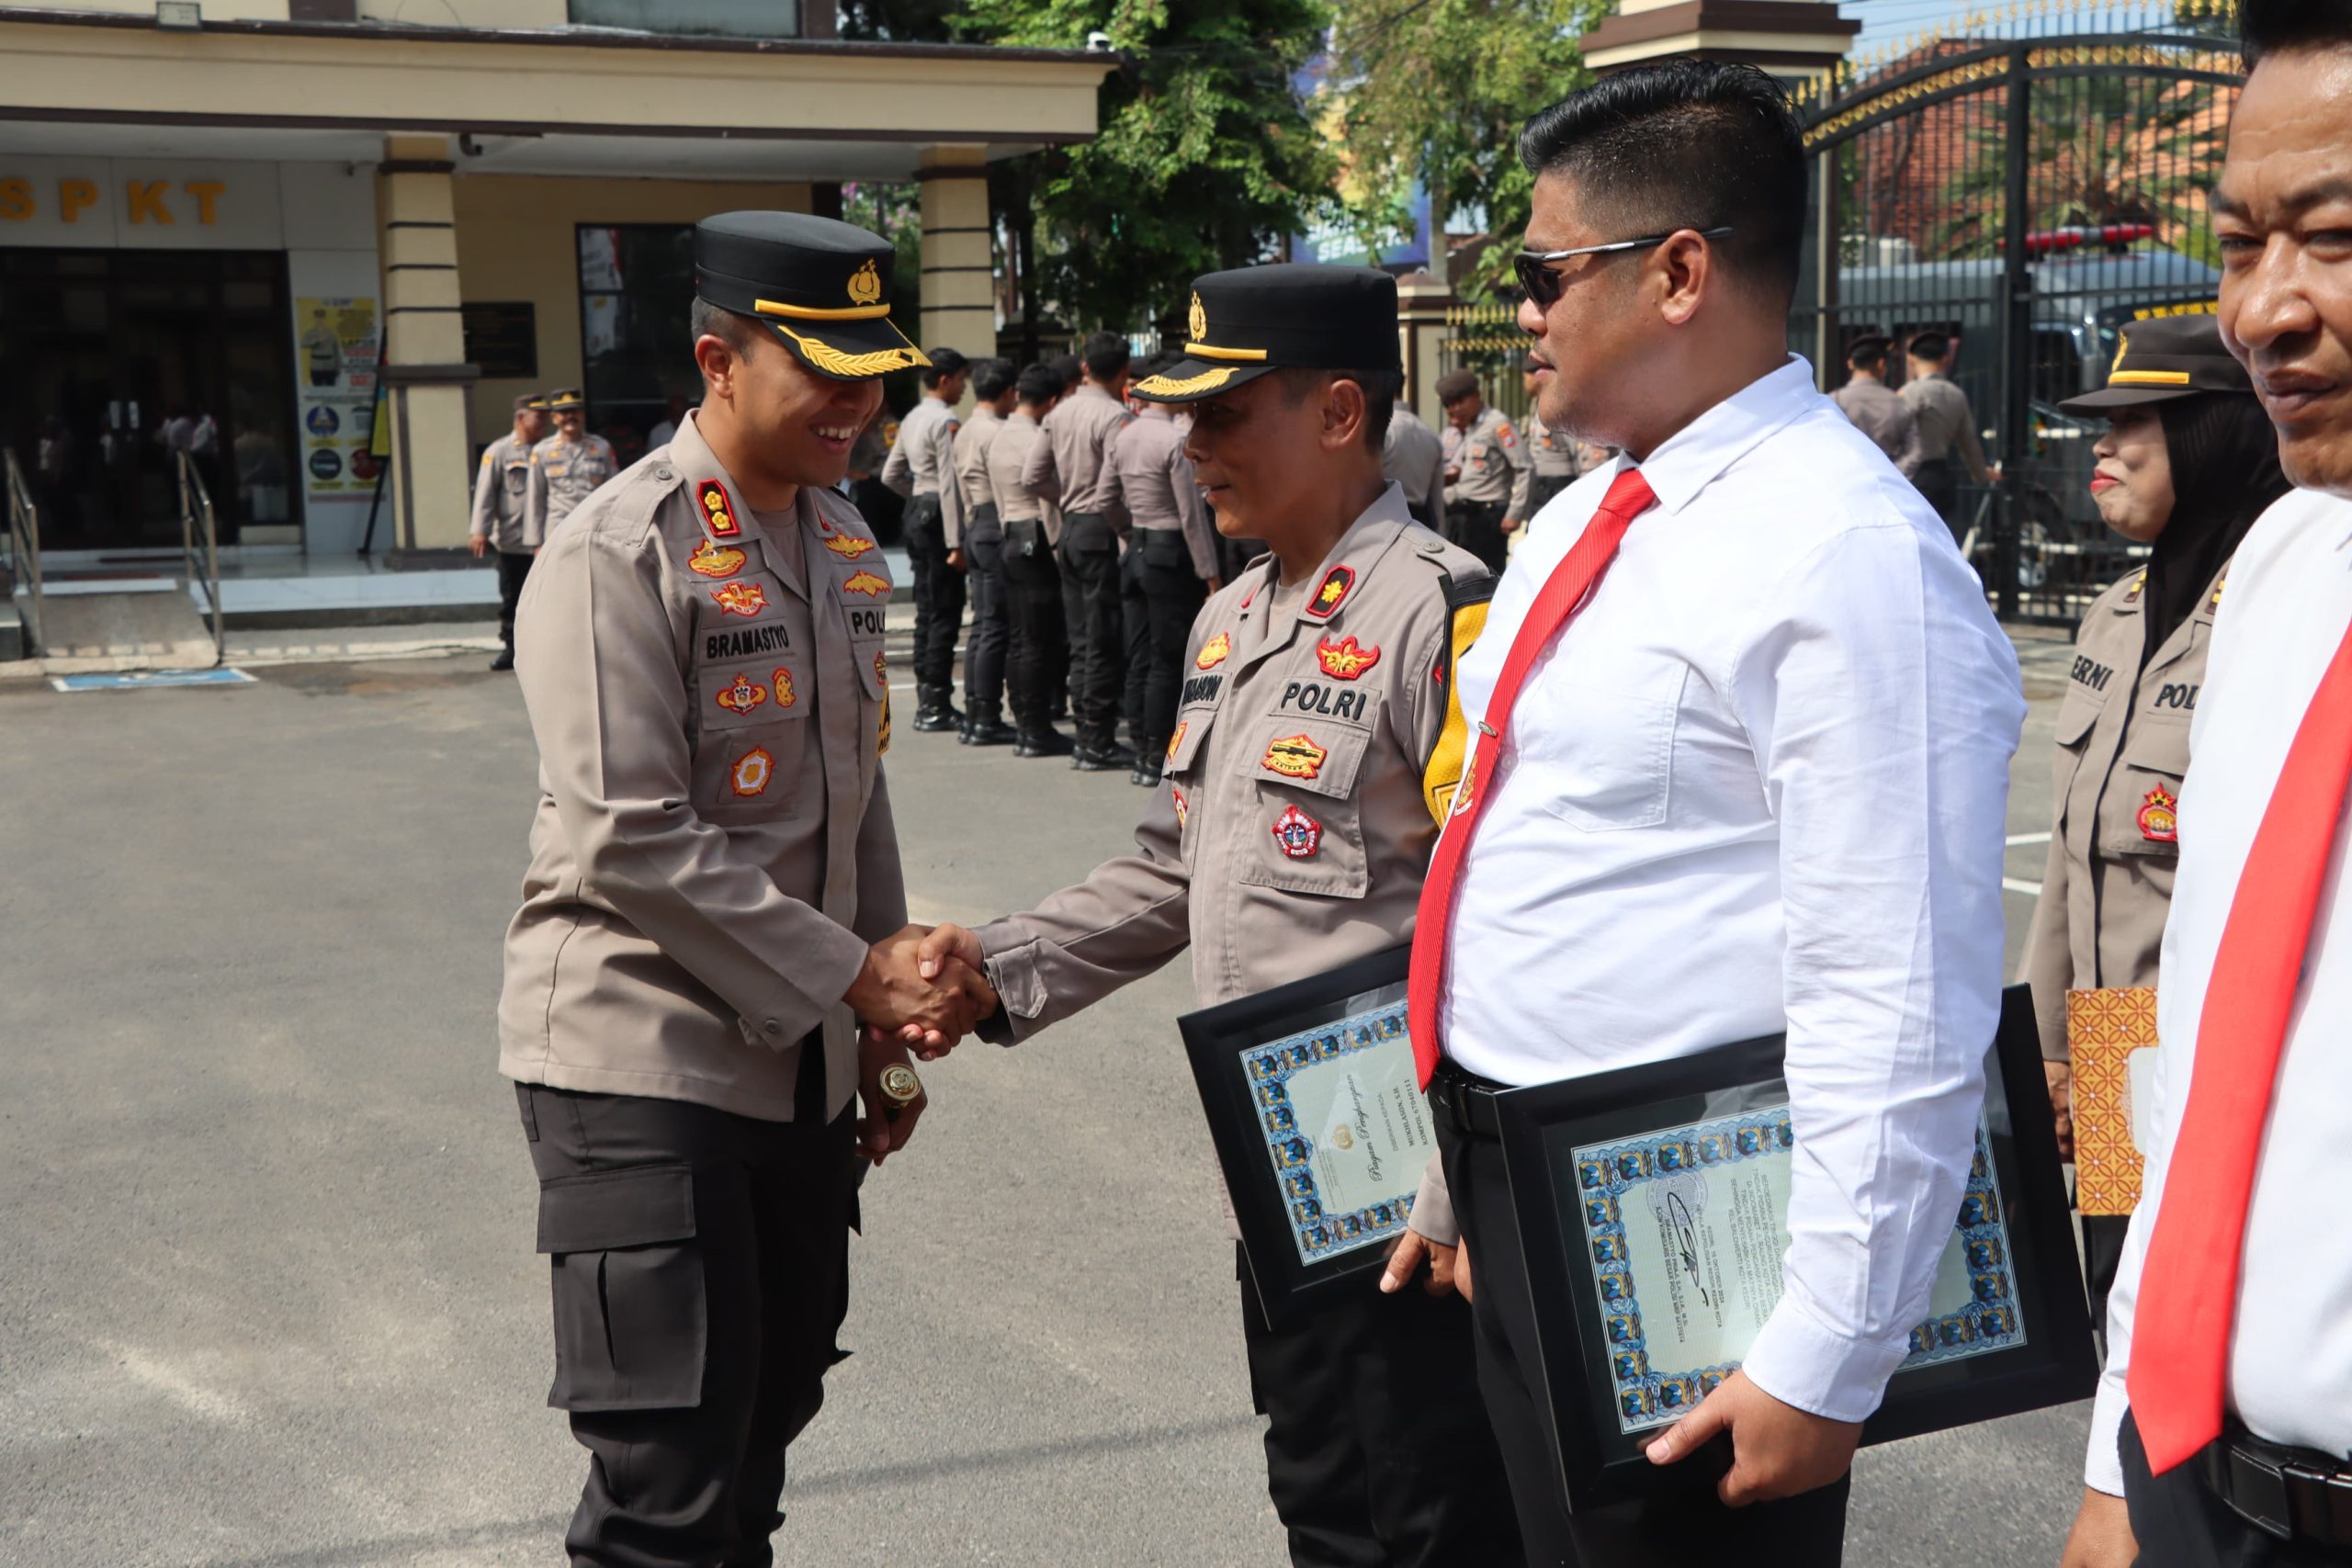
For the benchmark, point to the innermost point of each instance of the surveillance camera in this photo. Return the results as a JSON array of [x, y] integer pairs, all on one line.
[[1098, 43]]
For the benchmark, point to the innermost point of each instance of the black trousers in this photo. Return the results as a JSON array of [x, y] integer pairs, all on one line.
[[1165, 597], [699, 1264], [2180, 1523], [1939, 480], [1032, 597], [939, 600], [1686, 1528], [2102, 1256], [1098, 637], [1542, 489], [992, 624], [513, 566], [1378, 1453], [1477, 527]]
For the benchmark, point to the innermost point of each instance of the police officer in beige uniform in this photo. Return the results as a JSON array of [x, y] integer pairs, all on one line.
[[710, 908], [1479, 480], [1171, 566], [1034, 603], [502, 513], [984, 659], [1554, 459], [1877, 410], [2187, 463], [921, 468], [1289, 837], [567, 467], [1413, 457], [1071, 468]]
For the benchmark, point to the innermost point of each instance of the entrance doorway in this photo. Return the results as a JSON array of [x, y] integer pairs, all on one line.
[[118, 359]]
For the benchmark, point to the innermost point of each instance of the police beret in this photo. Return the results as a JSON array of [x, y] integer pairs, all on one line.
[[823, 287], [1457, 385], [1286, 316], [2163, 357]]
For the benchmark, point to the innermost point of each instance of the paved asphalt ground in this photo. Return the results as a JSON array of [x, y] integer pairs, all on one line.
[[267, 1297]]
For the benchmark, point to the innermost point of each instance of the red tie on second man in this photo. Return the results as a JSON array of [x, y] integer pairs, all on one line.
[[1564, 592], [2188, 1284]]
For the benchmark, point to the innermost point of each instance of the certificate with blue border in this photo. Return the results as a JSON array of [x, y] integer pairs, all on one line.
[[1651, 1209], [1319, 1122]]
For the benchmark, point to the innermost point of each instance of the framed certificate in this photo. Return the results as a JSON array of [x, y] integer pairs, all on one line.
[[1653, 1205], [1320, 1123]]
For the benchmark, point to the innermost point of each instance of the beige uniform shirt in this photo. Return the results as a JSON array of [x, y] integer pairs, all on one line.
[[1290, 833], [1009, 459], [502, 497], [563, 474], [1879, 413], [713, 851], [1550, 456], [1153, 483], [2122, 748], [1412, 456], [1490, 457], [1071, 466], [1941, 411], [924, 463], [970, 458]]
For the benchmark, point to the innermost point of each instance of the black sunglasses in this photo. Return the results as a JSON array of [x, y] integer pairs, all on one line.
[[1543, 285]]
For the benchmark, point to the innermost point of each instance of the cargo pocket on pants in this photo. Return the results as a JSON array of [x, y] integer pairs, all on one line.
[[631, 1319]]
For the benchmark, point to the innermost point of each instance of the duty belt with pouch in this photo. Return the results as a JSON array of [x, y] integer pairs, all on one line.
[[2292, 1493]]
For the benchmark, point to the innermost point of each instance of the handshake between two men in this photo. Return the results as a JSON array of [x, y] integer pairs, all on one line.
[[921, 990]]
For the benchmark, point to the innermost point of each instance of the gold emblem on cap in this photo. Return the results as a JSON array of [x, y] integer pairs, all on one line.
[[1199, 320], [864, 284], [899, 1086]]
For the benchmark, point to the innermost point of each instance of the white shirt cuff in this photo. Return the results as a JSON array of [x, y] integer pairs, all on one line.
[[2103, 1464], [1801, 1363]]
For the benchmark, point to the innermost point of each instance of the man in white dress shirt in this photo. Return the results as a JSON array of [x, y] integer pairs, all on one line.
[[2237, 1368], [1758, 783]]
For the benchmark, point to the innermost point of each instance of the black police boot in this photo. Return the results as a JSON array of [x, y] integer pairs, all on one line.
[[1042, 740], [989, 730], [1106, 757], [1148, 762], [935, 712], [506, 660]]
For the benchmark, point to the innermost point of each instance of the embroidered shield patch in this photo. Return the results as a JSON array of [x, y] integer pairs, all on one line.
[[1299, 835], [715, 561], [753, 772], [742, 598], [1295, 757]]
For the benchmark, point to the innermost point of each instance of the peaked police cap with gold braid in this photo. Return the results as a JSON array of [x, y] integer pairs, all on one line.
[[823, 287], [2177, 353], [1286, 316]]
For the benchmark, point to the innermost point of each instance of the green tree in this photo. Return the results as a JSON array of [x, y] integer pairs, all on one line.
[[1205, 158], [1433, 93]]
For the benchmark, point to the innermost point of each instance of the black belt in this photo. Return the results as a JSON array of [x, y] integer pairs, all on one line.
[[1465, 1101], [2292, 1493]]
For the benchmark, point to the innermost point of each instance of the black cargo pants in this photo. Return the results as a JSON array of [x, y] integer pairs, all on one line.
[[992, 617], [700, 1270], [1097, 627], [1039, 650], [1165, 594], [939, 600]]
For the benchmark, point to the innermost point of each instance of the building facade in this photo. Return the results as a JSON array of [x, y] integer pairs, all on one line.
[[322, 243]]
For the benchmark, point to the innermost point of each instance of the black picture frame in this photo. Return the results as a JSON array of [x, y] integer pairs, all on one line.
[[1214, 1042], [1598, 1463]]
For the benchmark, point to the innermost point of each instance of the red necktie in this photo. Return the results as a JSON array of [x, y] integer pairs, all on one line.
[[1570, 585], [2180, 1336]]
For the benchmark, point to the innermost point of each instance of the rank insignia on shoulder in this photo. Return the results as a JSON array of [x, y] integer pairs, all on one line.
[[742, 696], [741, 598], [1184, 807], [1332, 593], [718, 511], [2138, 583], [866, 582], [2159, 817], [715, 561], [752, 772], [2218, 583], [1178, 738], [1295, 757], [1343, 660], [1299, 835], [785, 695], [847, 546], [1214, 652]]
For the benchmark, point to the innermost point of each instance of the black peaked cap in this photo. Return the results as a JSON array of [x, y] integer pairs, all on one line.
[[822, 287], [1286, 316]]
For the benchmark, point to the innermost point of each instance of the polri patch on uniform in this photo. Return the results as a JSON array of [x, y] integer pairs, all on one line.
[[848, 546], [1299, 835], [1295, 757], [866, 582], [752, 772], [1505, 434], [782, 681], [1337, 584], [1214, 652], [1344, 660], [742, 696], [718, 510], [2159, 817], [741, 598], [715, 561]]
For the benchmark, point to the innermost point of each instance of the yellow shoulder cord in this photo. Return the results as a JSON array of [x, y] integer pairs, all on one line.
[[1466, 600]]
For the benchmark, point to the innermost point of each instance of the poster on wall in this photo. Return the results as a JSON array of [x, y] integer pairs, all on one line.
[[334, 360]]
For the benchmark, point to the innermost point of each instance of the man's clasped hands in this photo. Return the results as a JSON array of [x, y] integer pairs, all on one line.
[[920, 990]]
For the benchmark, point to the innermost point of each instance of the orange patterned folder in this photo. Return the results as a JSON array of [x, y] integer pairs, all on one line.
[[2104, 1030]]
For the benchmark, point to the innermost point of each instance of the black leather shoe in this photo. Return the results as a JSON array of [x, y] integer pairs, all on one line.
[[987, 732], [930, 721], [1112, 759], [1042, 743], [1146, 776], [506, 660]]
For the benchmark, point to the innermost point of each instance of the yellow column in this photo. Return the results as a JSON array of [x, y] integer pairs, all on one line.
[[423, 364], [959, 275]]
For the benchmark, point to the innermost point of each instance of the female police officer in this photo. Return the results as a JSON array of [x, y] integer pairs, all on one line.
[[2187, 464]]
